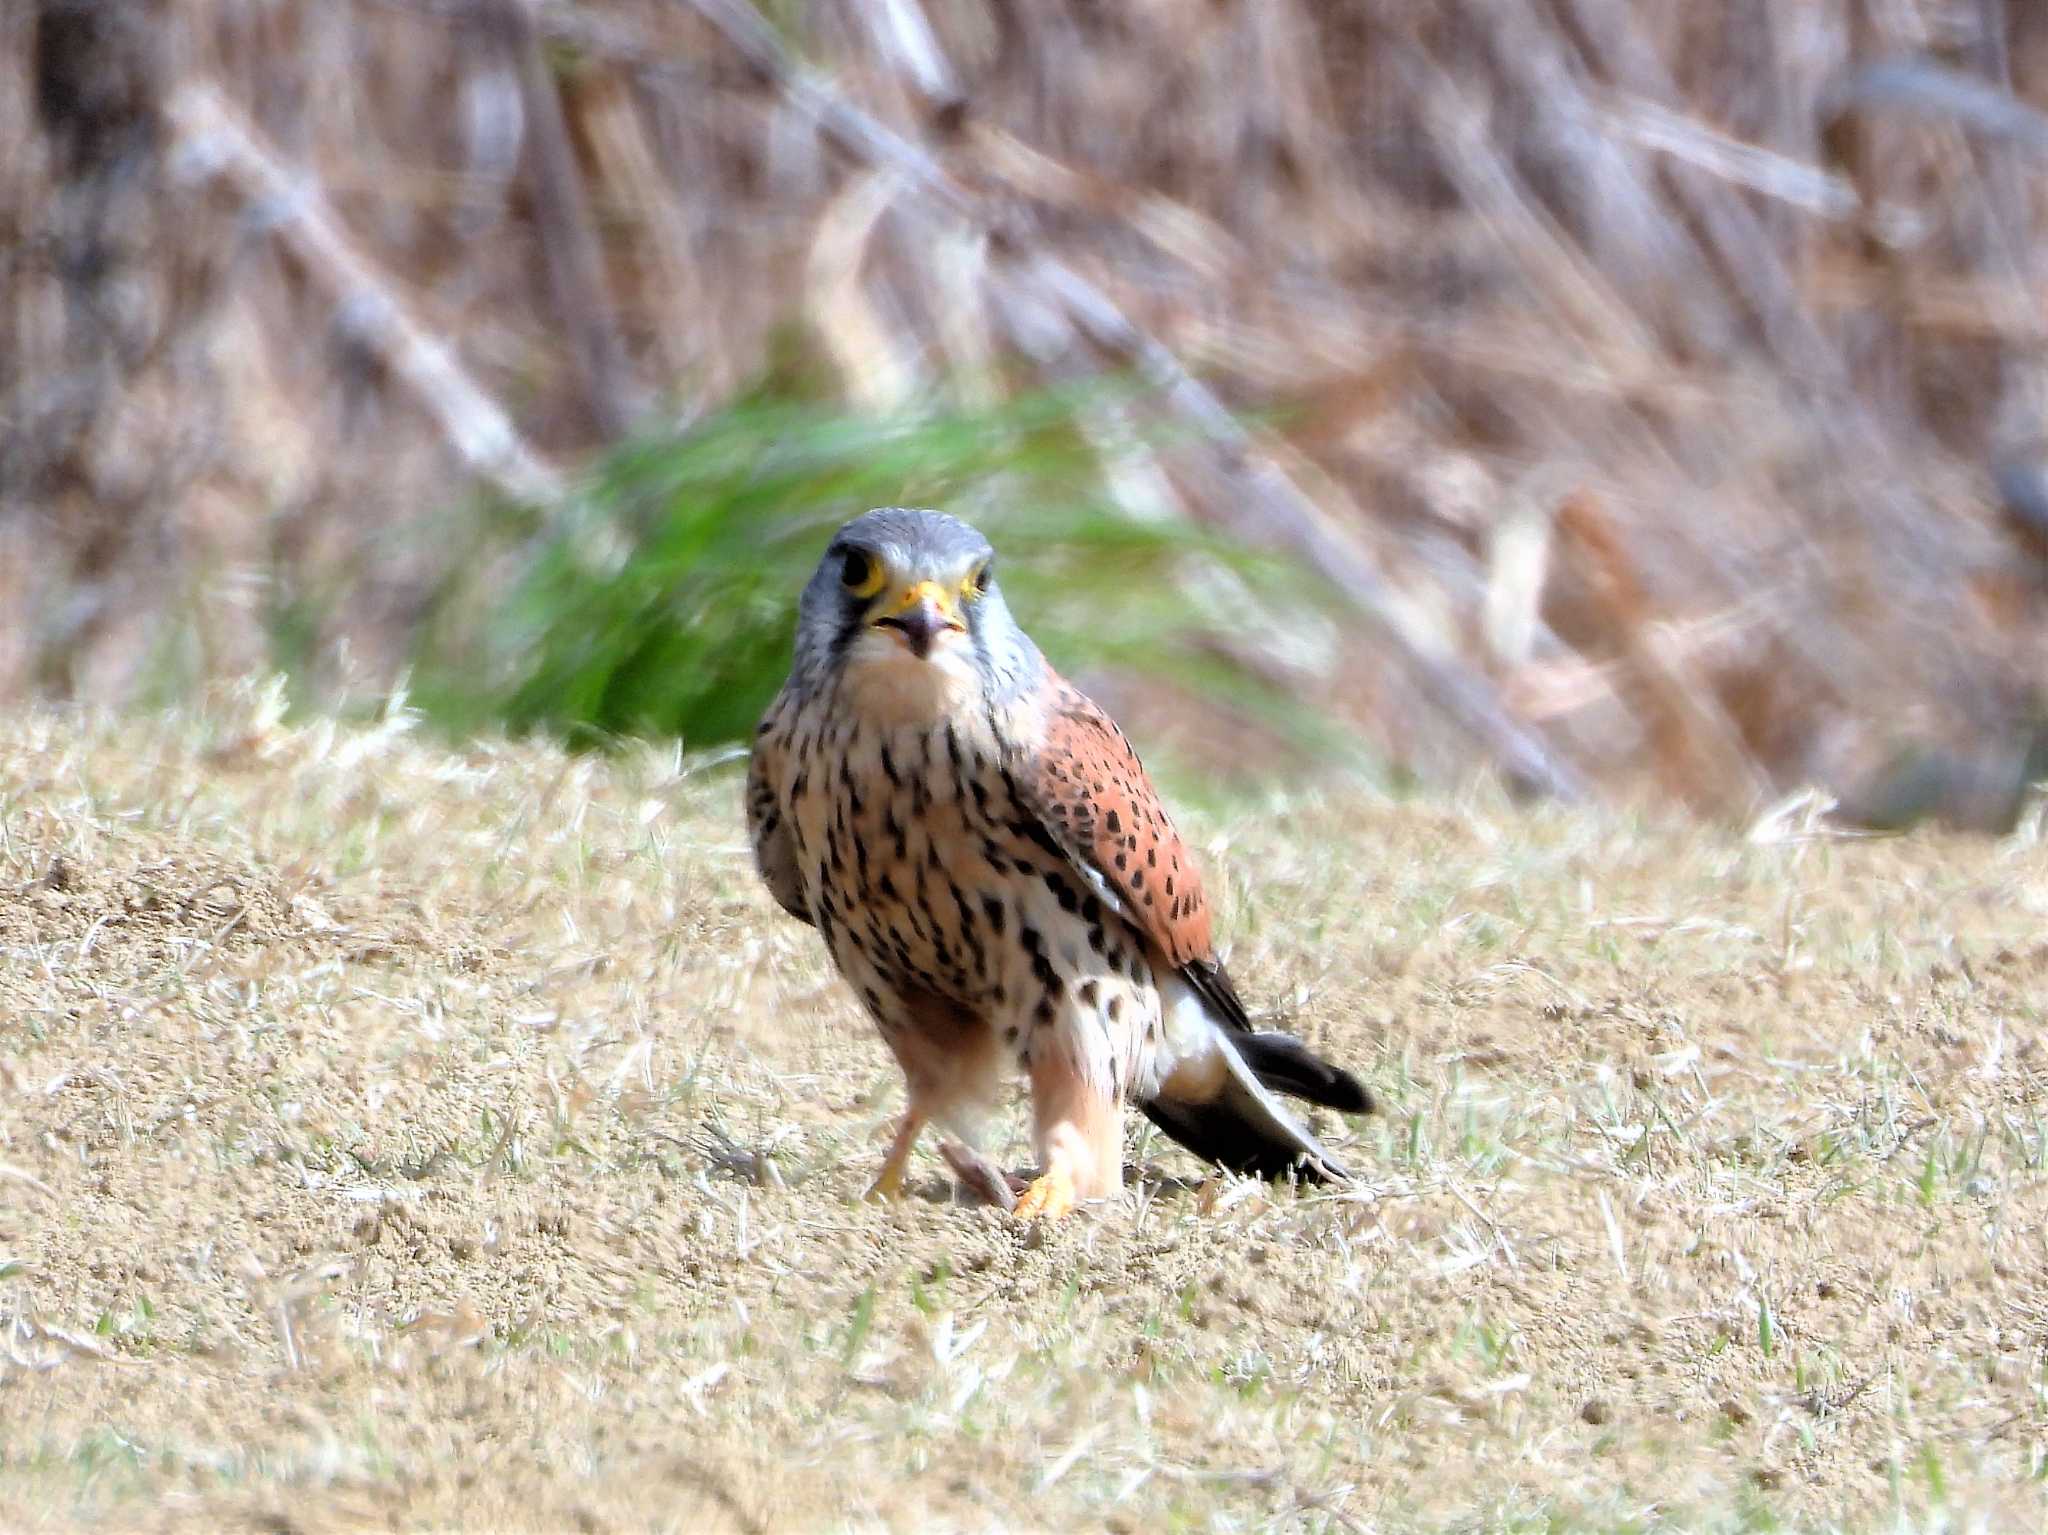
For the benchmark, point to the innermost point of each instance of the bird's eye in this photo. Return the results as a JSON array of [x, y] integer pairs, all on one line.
[[977, 582], [861, 574]]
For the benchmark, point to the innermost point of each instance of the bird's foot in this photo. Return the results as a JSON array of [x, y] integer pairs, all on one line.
[[888, 1183], [1048, 1196]]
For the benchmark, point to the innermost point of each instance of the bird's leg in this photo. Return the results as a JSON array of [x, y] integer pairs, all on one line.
[[1077, 1127], [889, 1182]]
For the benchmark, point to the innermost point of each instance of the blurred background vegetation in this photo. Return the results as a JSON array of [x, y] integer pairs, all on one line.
[[1632, 397]]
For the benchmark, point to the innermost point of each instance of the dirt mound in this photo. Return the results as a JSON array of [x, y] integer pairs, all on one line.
[[161, 907]]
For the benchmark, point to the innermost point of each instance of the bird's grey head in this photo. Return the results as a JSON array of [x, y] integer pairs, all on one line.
[[905, 605]]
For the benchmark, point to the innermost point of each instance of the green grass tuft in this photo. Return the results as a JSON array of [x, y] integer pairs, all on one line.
[[661, 602]]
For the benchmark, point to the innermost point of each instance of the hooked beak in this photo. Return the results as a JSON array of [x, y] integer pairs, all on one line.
[[921, 614]]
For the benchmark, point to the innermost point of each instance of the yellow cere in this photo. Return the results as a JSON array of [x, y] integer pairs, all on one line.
[[927, 591]]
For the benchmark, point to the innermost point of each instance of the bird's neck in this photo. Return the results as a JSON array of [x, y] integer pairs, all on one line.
[[904, 692]]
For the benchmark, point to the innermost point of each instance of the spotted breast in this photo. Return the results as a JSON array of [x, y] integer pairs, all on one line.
[[953, 910]]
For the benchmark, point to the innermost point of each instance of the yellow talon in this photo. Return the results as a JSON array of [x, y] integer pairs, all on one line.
[[888, 1185], [1048, 1197]]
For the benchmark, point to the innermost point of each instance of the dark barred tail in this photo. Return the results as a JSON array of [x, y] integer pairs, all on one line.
[[1234, 1132], [1286, 1065], [1244, 1128]]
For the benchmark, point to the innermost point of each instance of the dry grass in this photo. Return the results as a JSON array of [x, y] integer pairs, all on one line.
[[402, 1136], [1663, 388]]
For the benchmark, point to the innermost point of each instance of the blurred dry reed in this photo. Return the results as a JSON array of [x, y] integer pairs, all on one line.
[[1659, 384]]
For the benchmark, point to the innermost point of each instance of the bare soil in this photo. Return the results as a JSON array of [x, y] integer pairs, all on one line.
[[397, 1136]]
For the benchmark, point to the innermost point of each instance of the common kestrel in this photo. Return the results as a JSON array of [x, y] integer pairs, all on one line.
[[994, 875]]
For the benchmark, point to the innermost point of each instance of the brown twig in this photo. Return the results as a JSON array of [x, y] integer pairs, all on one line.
[[979, 1175], [217, 140], [1273, 507], [1699, 750]]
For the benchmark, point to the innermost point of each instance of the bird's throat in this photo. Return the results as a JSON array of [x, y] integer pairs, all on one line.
[[890, 687]]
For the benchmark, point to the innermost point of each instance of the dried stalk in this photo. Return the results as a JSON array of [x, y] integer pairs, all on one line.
[[1808, 188], [1697, 746], [1269, 504], [1629, 253], [568, 237], [1914, 85], [214, 139]]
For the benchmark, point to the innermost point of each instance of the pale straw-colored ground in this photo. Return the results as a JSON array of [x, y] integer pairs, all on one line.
[[402, 1136]]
